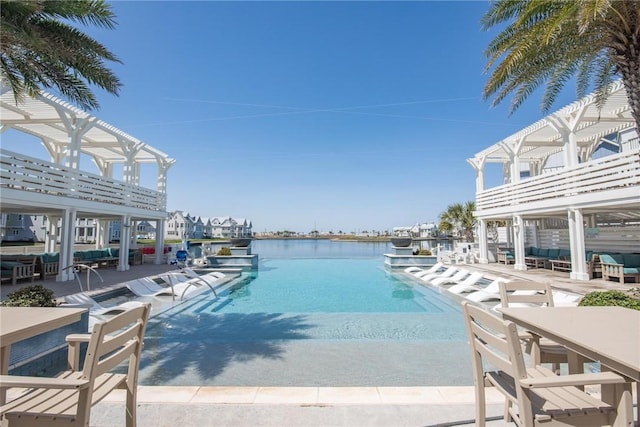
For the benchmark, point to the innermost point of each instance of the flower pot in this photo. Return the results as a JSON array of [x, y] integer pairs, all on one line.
[[401, 242], [240, 242]]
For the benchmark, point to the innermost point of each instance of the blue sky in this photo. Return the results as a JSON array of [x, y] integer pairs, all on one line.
[[340, 116]]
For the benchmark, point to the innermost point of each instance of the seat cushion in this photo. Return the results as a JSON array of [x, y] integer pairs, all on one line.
[[631, 260], [8, 265], [553, 253], [619, 258], [608, 259], [543, 253]]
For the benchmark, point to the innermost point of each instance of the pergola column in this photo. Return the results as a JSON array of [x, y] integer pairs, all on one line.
[[159, 241], [478, 164], [163, 168], [51, 234], [125, 243], [518, 244], [483, 242], [102, 233], [66, 245], [567, 129], [576, 243]]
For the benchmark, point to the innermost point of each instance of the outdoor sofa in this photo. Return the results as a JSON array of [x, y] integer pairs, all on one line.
[[620, 266], [14, 268]]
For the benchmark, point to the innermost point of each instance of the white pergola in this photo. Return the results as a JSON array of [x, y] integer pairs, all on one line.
[[60, 126], [576, 130], [59, 186], [582, 185]]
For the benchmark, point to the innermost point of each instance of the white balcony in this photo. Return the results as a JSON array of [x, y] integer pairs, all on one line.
[[25, 178], [612, 181]]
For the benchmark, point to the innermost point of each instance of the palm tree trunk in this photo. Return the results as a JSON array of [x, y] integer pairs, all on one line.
[[626, 55]]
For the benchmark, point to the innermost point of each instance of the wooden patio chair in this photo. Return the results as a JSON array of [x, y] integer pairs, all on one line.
[[524, 293], [68, 397], [536, 396]]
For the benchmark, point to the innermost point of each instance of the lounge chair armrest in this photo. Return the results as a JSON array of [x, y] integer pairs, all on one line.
[[42, 382], [573, 380]]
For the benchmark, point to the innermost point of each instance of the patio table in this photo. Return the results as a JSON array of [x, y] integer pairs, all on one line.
[[19, 323], [610, 335]]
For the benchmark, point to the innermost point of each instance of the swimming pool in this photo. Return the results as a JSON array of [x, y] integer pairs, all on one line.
[[316, 314]]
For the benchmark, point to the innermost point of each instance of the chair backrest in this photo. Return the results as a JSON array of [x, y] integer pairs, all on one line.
[[435, 267], [525, 292], [448, 272], [461, 274], [115, 340], [473, 278], [111, 343], [494, 342]]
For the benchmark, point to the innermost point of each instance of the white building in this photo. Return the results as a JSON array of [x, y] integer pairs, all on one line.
[[185, 226], [77, 177], [579, 193]]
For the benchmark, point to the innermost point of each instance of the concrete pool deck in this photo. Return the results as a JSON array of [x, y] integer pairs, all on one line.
[[300, 406]]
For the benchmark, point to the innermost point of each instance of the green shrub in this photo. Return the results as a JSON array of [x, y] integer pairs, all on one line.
[[424, 252], [606, 298], [31, 296], [224, 252]]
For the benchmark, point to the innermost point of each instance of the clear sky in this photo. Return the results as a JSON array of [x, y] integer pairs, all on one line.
[[339, 116]]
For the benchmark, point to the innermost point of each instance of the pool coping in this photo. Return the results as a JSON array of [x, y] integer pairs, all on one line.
[[431, 395]]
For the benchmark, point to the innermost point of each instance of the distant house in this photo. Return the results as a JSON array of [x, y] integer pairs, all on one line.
[[145, 230], [227, 227], [178, 225], [18, 228]]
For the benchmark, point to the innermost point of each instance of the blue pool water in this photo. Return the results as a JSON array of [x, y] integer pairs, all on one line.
[[324, 286], [317, 313]]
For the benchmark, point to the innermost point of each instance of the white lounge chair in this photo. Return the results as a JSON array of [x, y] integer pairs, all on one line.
[[488, 293], [431, 270], [467, 285], [413, 269], [147, 287], [456, 278], [561, 299], [210, 278], [447, 273], [97, 309]]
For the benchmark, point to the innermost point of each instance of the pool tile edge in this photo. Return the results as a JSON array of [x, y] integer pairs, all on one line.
[[307, 395]]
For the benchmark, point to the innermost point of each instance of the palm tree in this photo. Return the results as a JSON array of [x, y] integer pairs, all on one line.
[[554, 40], [41, 49], [459, 218]]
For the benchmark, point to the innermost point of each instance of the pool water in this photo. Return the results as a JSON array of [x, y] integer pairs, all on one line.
[[324, 286], [315, 314]]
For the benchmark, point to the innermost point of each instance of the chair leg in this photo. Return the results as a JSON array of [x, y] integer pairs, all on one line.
[[619, 395], [131, 406], [480, 403]]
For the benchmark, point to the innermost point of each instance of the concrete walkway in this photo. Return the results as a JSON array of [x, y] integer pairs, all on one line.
[[300, 406]]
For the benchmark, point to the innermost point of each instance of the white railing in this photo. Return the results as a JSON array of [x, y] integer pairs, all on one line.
[[613, 172], [20, 172]]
